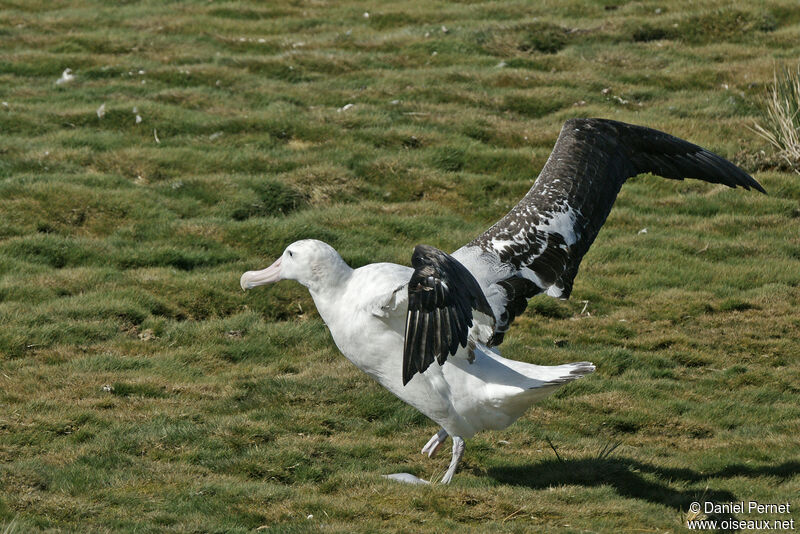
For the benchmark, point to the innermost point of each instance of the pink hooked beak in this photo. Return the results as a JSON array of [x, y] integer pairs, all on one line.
[[251, 279]]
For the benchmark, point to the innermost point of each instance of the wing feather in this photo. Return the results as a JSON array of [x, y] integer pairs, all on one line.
[[441, 296], [545, 236]]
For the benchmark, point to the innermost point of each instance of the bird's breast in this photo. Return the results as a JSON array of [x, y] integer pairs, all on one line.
[[369, 342]]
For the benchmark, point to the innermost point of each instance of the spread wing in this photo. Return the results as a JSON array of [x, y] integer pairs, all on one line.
[[442, 294], [538, 246]]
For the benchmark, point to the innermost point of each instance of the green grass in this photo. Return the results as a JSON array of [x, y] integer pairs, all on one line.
[[141, 390]]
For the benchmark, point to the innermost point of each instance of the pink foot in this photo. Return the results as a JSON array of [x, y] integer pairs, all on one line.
[[434, 443]]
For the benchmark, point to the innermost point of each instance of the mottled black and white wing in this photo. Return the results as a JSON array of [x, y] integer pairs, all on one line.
[[538, 246], [442, 295]]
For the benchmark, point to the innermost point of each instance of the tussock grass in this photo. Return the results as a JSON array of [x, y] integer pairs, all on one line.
[[781, 115], [141, 390]]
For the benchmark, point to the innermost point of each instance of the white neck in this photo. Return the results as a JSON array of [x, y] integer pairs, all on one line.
[[329, 281]]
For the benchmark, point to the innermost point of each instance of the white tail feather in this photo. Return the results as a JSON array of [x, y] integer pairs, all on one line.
[[525, 385]]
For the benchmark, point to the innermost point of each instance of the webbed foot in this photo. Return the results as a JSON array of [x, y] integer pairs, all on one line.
[[434, 443]]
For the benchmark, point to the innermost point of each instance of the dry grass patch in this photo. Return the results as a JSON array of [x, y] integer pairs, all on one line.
[[780, 124]]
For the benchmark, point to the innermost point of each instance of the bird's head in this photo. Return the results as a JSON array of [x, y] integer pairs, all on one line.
[[312, 263]]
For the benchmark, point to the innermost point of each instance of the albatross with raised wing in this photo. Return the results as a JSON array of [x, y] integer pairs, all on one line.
[[428, 333]]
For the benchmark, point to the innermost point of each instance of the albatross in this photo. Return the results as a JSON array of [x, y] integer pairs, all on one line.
[[429, 333]]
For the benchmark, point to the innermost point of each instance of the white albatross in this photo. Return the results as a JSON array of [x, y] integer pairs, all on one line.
[[427, 333]]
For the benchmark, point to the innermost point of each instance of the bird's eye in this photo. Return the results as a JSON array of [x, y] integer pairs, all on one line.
[[290, 253]]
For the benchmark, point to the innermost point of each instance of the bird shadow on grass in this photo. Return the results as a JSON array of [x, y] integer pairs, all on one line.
[[637, 480]]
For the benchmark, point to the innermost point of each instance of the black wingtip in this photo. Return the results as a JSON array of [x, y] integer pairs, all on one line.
[[741, 177], [757, 187], [747, 182], [665, 155], [750, 183]]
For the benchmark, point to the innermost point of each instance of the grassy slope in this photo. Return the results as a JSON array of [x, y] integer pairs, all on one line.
[[120, 259]]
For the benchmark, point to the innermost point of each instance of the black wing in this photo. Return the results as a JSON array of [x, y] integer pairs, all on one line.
[[441, 296], [538, 246]]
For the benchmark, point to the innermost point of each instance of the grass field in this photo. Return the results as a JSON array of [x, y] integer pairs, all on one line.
[[142, 391]]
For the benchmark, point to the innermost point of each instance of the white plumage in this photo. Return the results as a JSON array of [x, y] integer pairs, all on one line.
[[365, 310]]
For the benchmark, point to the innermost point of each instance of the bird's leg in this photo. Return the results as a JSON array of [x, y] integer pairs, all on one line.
[[434, 443], [430, 449], [458, 452]]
